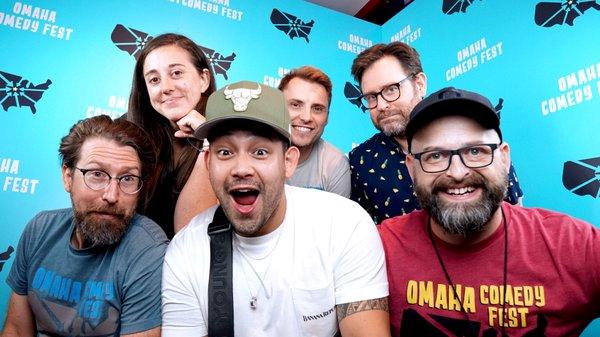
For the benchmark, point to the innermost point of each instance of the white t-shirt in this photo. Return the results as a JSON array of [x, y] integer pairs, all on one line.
[[326, 168], [327, 251]]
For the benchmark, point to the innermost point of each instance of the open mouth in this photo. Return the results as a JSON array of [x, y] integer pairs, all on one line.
[[244, 199]]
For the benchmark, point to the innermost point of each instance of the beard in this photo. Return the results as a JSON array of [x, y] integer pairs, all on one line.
[[102, 232], [463, 218], [250, 224], [393, 129]]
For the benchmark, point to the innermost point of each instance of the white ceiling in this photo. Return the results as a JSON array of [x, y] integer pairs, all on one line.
[[349, 7]]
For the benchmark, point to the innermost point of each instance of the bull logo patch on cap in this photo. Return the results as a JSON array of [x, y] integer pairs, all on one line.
[[241, 96]]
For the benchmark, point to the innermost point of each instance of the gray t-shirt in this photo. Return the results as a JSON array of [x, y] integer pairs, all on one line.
[[89, 292], [325, 169]]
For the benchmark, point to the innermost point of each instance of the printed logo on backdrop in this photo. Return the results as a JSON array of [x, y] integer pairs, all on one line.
[[548, 14], [291, 25], [15, 91], [353, 93], [12, 182], [456, 6], [355, 44], [273, 81], [219, 62], [116, 107], [582, 177], [5, 255], [214, 7], [129, 40], [474, 55], [575, 88], [133, 41], [407, 35], [36, 20]]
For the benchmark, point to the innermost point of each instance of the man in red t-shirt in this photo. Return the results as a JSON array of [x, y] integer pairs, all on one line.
[[469, 264]]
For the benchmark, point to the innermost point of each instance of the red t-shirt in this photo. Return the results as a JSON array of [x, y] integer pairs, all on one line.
[[553, 278]]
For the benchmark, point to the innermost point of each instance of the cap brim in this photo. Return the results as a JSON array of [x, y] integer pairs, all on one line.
[[205, 130]]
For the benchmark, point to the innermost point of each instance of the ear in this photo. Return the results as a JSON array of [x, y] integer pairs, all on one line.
[[421, 82], [204, 80], [207, 159], [291, 161], [504, 150], [410, 162], [67, 178]]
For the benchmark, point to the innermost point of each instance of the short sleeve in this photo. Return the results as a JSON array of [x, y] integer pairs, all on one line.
[[360, 272], [17, 278], [340, 177], [141, 303]]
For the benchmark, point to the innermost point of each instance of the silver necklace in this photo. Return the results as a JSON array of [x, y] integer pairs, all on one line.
[[268, 290]]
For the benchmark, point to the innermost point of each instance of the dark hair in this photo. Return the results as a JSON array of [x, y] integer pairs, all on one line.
[[310, 74], [257, 128], [171, 173], [119, 130], [405, 54]]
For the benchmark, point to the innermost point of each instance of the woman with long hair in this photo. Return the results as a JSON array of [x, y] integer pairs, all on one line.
[[171, 83]]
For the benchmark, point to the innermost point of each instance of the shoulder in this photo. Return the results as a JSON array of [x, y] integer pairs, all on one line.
[[377, 140], [143, 236], [321, 209], [544, 220], [396, 228], [332, 155], [50, 220], [193, 238]]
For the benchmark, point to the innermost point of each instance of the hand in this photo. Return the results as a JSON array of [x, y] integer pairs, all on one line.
[[188, 124]]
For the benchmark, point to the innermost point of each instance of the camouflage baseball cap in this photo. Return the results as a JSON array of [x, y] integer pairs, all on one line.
[[249, 101]]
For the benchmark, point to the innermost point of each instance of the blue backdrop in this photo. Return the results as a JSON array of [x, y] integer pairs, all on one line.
[[61, 62]]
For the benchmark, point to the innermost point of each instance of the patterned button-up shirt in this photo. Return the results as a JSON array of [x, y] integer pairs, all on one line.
[[381, 183]]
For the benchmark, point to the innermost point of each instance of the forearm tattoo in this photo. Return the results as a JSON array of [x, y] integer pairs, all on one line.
[[346, 309]]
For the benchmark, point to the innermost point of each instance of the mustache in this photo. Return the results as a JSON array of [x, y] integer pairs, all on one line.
[[242, 182], [445, 183], [107, 210]]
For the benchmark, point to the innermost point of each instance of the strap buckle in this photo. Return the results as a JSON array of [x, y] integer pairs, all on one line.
[[215, 228]]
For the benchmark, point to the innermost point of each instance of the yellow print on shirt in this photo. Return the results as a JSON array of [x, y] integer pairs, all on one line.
[[517, 300]]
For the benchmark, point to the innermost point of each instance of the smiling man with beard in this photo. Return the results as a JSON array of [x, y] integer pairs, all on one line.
[[470, 264], [93, 269], [303, 262]]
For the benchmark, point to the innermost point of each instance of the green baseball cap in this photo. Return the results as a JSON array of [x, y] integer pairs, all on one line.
[[249, 101]]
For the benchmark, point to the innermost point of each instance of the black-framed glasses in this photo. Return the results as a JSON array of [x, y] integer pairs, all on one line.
[[97, 179], [472, 156], [390, 93]]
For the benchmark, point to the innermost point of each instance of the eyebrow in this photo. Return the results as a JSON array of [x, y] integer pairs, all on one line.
[[382, 87], [170, 66], [440, 148]]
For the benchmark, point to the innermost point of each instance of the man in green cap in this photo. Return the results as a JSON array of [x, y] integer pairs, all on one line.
[[303, 262]]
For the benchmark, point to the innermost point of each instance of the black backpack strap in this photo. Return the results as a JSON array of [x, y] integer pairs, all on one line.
[[220, 287]]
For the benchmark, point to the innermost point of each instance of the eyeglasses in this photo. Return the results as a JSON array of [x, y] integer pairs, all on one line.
[[98, 179], [389, 93], [474, 156]]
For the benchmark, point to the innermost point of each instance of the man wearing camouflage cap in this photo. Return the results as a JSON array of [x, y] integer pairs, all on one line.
[[298, 256]]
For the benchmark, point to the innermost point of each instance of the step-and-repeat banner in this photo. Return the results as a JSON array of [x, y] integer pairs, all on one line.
[[64, 61]]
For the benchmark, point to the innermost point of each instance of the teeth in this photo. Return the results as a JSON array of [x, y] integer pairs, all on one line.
[[460, 191], [302, 128]]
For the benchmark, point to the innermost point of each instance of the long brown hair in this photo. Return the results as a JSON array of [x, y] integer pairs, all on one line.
[[171, 173]]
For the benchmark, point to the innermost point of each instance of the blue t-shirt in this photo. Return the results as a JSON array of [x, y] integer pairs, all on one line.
[[381, 184], [104, 291]]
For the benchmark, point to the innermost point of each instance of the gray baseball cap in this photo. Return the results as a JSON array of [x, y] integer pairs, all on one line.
[[249, 101]]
